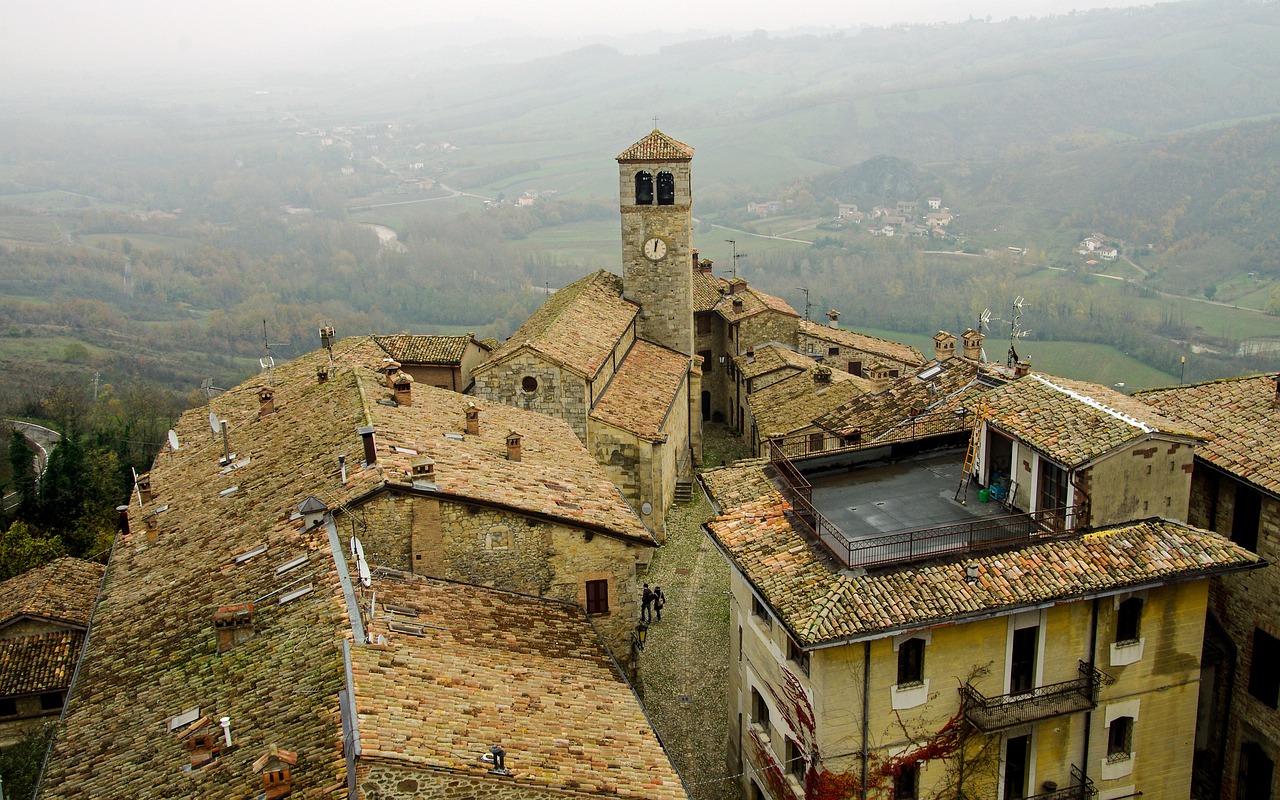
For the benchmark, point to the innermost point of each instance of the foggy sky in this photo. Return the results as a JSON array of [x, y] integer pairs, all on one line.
[[92, 36]]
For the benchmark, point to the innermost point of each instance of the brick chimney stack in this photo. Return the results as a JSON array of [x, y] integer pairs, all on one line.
[[1022, 368], [266, 401], [473, 420], [879, 377], [833, 318], [944, 345], [402, 386], [972, 344], [513, 446]]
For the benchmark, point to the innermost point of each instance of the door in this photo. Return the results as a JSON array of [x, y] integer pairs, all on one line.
[[1053, 495], [1022, 660], [1017, 758]]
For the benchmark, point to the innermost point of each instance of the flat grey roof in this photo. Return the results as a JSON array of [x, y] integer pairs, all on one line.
[[907, 495]]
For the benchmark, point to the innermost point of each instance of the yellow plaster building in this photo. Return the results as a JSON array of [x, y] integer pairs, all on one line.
[[915, 647]]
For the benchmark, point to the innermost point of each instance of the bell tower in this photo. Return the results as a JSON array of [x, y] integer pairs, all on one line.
[[656, 199]]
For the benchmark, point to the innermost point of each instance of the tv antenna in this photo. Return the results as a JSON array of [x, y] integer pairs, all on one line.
[[1015, 330], [805, 289], [208, 388], [268, 362], [984, 324], [736, 256]]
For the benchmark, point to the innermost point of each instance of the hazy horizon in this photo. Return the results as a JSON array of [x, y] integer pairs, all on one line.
[[63, 39]]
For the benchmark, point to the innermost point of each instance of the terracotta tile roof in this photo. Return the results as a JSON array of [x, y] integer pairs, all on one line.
[[62, 590], [820, 603], [489, 343], [426, 349], [954, 384], [706, 290], [644, 389], [1241, 416], [797, 400], [754, 302], [40, 663], [657, 146], [1073, 422], [492, 668], [770, 357], [577, 327], [861, 341], [224, 537]]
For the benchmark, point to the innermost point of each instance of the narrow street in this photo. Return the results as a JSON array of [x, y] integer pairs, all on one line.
[[685, 663]]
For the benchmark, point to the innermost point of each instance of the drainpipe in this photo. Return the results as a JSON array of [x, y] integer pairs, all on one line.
[[866, 708], [1088, 715]]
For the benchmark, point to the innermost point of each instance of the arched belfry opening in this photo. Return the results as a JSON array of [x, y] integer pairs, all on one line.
[[666, 189], [644, 188]]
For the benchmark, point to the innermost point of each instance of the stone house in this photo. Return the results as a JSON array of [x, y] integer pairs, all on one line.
[[1235, 491], [1079, 454], [731, 319], [853, 352], [258, 618], [44, 613], [789, 407], [445, 362], [892, 639]]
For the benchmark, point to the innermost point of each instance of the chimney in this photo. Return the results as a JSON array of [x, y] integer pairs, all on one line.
[[736, 285], [402, 386], [737, 302], [944, 345], [821, 374], [1275, 401], [276, 766], [705, 266], [833, 318], [326, 337], [322, 374], [473, 420], [266, 401], [972, 344], [1022, 368], [879, 377], [144, 487], [513, 446], [233, 625], [423, 468], [370, 451], [695, 259], [122, 520], [312, 510], [389, 368], [153, 527]]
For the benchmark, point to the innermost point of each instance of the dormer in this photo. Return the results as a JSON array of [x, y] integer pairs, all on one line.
[[233, 625]]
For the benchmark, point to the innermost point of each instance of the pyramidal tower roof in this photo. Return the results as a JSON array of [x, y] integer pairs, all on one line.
[[657, 146]]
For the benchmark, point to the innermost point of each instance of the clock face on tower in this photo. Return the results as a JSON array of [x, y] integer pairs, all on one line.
[[655, 249]]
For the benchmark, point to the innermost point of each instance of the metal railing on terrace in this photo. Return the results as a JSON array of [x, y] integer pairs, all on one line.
[[972, 535], [1081, 788], [991, 714]]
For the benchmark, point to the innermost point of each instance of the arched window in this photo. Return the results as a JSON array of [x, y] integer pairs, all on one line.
[[644, 189], [666, 189]]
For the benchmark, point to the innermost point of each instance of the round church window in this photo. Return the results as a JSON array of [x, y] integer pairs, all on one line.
[[529, 384]]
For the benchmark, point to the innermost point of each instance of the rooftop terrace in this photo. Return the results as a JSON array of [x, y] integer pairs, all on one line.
[[882, 514]]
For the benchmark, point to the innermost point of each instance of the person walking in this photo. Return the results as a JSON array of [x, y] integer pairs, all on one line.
[[659, 600], [646, 602]]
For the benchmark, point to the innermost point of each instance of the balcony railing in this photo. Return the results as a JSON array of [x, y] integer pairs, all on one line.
[[1081, 788], [991, 714], [974, 535]]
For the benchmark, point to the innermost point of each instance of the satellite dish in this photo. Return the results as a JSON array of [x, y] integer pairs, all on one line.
[[215, 423], [173, 439], [366, 578], [357, 549]]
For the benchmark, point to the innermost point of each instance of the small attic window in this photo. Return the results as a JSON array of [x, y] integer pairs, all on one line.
[[257, 551], [930, 372], [406, 451], [291, 565], [228, 492], [294, 595], [404, 611], [406, 627], [184, 719]]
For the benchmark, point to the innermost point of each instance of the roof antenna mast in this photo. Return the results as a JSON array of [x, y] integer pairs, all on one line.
[[1015, 330]]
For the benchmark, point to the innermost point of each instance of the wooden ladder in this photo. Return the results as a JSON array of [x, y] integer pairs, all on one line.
[[971, 455]]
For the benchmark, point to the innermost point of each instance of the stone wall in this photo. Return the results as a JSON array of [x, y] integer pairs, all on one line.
[[765, 327], [1243, 603], [843, 354], [403, 782], [558, 393], [505, 550]]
